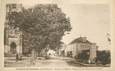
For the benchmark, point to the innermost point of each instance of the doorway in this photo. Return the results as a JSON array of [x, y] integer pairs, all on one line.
[[13, 47]]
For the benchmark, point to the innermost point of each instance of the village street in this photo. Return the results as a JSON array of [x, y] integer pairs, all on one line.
[[40, 62]]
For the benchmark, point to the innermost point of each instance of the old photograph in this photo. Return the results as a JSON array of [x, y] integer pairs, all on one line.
[[57, 35]]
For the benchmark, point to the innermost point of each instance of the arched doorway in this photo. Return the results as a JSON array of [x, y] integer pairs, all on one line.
[[13, 47]]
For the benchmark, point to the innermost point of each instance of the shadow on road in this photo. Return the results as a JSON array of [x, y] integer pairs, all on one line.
[[78, 64]]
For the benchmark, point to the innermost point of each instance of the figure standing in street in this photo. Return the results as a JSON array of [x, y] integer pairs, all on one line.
[[33, 57], [17, 57]]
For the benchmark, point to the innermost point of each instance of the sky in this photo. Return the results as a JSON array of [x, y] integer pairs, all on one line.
[[87, 20], [91, 21]]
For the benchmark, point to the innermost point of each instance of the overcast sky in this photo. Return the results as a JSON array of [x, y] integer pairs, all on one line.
[[91, 21], [87, 20]]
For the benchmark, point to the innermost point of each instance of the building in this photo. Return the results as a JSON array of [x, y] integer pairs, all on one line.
[[61, 50], [80, 45], [12, 35]]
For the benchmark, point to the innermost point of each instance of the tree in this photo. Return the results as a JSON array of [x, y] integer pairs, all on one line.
[[104, 57], [42, 25], [83, 56]]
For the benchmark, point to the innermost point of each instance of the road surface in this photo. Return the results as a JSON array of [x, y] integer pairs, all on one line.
[[51, 62]]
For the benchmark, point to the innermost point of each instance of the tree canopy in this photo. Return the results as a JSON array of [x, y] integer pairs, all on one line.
[[41, 25]]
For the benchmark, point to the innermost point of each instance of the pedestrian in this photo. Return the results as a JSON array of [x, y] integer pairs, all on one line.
[[33, 57], [17, 57]]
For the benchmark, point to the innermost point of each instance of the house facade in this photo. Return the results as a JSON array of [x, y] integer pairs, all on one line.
[[80, 45]]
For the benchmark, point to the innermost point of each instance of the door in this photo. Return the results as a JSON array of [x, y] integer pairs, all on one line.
[[13, 47]]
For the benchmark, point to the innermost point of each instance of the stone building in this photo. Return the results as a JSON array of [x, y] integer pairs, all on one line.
[[80, 45], [12, 35]]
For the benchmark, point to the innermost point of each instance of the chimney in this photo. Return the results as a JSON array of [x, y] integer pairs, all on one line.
[[84, 39]]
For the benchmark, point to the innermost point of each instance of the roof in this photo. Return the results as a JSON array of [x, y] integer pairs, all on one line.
[[81, 40]]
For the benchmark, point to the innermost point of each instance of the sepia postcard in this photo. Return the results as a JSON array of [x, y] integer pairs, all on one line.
[[57, 35]]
